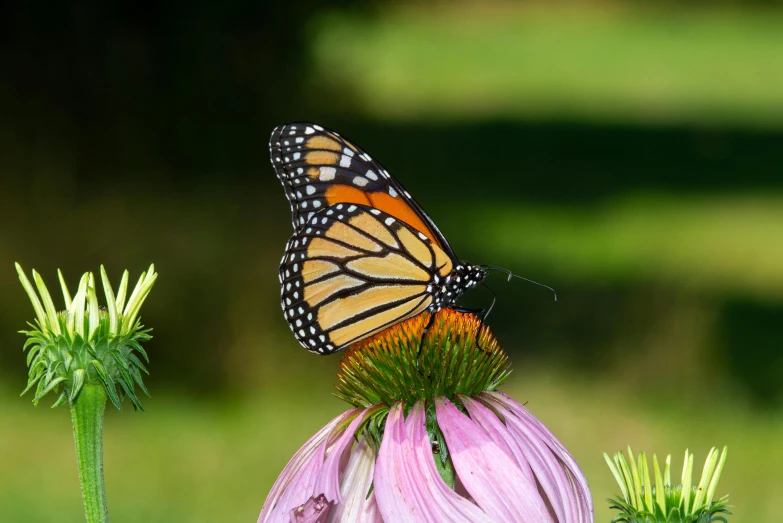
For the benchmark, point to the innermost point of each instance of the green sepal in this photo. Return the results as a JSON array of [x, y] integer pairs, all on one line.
[[108, 383], [32, 381], [137, 378], [77, 382], [48, 388], [61, 399]]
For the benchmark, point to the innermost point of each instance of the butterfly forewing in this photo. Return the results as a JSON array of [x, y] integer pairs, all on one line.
[[319, 168], [351, 271]]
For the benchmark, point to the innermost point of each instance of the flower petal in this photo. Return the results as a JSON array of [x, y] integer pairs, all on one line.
[[293, 487], [395, 494], [408, 487], [499, 433], [557, 471], [445, 504], [315, 510], [496, 483], [328, 482], [357, 505]]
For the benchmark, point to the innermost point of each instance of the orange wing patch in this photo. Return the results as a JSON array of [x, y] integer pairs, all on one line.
[[323, 142], [391, 266], [321, 158], [376, 323], [415, 247], [342, 309], [314, 269], [374, 228], [315, 293], [346, 194], [323, 248], [442, 261], [394, 206], [341, 232], [400, 209]]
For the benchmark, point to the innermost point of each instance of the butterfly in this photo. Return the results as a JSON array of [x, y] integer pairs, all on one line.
[[364, 255]]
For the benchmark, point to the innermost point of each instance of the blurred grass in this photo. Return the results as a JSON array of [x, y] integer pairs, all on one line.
[[719, 244], [602, 62], [216, 460]]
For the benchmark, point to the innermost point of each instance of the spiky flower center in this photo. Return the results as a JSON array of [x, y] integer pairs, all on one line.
[[85, 343], [457, 355], [654, 498]]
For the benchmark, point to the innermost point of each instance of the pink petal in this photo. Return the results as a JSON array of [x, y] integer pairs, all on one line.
[[395, 494], [499, 433], [557, 471], [328, 482], [316, 510], [443, 503], [407, 485], [496, 482], [357, 506], [294, 487]]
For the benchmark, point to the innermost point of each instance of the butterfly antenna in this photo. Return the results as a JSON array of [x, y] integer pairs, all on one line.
[[494, 299], [512, 275]]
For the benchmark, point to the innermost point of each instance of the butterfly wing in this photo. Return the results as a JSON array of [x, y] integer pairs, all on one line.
[[319, 168], [351, 271]]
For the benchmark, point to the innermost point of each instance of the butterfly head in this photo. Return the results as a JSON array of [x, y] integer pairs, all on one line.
[[463, 277]]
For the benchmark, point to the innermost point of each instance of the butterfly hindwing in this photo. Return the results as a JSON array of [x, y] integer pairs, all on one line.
[[352, 270], [318, 168]]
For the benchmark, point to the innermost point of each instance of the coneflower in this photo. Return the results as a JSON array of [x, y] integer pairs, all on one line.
[[85, 354], [430, 439], [657, 499]]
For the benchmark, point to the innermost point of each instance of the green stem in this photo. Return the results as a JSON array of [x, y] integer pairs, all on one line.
[[87, 416]]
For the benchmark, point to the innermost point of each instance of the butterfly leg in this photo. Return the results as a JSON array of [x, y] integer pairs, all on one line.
[[481, 313]]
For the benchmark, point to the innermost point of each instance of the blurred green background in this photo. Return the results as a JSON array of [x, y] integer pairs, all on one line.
[[627, 153]]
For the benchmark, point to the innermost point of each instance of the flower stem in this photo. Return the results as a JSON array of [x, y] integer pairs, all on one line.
[[87, 416]]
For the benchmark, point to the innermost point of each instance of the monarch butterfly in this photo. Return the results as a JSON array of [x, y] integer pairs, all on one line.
[[364, 255]]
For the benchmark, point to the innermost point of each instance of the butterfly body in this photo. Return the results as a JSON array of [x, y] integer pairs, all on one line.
[[364, 255]]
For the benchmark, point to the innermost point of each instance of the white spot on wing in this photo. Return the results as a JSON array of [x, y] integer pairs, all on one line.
[[371, 175], [361, 182], [345, 161], [310, 189], [309, 130], [392, 192], [327, 174], [389, 220]]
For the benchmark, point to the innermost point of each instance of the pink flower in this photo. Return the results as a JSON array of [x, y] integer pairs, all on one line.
[[481, 457]]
